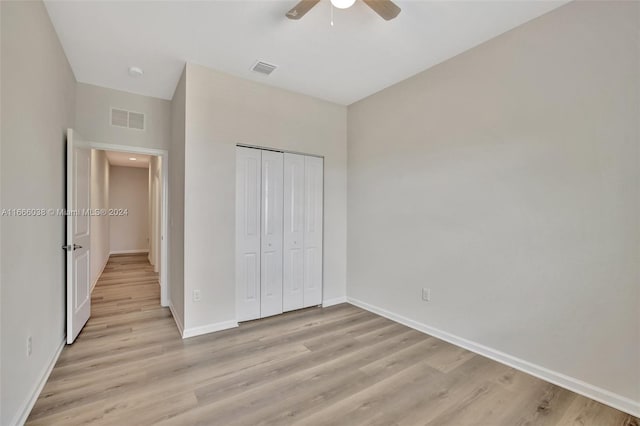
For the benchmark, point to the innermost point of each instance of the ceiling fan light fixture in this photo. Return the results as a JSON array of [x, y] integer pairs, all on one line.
[[342, 4], [386, 9]]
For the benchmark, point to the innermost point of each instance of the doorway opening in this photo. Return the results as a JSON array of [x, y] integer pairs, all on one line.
[[130, 185], [89, 201]]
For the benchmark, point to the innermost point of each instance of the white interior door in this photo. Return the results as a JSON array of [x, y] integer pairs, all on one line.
[[248, 201], [293, 244], [271, 261], [313, 195], [78, 229]]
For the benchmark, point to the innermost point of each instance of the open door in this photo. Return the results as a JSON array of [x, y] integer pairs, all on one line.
[[78, 228]]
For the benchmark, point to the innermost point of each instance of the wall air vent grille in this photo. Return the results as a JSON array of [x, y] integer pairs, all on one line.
[[119, 117], [128, 119], [136, 120], [263, 68]]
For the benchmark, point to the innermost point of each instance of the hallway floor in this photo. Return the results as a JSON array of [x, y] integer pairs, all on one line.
[[126, 327]]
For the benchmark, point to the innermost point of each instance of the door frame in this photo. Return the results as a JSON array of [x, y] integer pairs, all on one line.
[[164, 238]]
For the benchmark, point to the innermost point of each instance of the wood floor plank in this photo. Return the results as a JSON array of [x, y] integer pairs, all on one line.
[[319, 366], [587, 412]]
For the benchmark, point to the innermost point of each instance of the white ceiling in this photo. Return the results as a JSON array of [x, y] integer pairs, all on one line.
[[122, 159], [360, 55]]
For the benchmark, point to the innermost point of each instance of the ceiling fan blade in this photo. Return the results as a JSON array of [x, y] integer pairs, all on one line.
[[385, 8], [300, 9]]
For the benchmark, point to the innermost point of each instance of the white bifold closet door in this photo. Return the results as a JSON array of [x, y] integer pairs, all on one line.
[[271, 275], [293, 276], [303, 189], [279, 211], [258, 233], [248, 248], [313, 218]]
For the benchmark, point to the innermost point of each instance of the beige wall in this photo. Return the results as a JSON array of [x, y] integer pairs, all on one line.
[[175, 244], [129, 190], [99, 224], [38, 94], [93, 119], [507, 180], [222, 111]]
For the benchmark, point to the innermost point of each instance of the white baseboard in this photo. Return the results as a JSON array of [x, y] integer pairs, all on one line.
[[209, 328], [100, 274], [134, 251], [334, 301], [24, 411], [176, 319], [578, 386]]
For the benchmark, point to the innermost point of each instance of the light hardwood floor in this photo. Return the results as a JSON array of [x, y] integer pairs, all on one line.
[[339, 365]]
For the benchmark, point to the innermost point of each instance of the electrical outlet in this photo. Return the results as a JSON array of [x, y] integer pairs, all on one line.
[[29, 346], [196, 295], [426, 294]]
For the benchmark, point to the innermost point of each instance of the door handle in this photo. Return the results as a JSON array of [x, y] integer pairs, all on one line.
[[69, 247], [77, 246]]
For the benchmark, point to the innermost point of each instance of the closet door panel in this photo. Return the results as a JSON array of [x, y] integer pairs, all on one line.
[[248, 199], [293, 262], [272, 233], [313, 217]]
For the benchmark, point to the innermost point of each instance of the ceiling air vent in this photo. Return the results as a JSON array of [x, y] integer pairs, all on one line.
[[263, 68], [128, 119]]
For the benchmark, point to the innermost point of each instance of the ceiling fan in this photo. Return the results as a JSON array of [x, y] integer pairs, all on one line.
[[385, 8]]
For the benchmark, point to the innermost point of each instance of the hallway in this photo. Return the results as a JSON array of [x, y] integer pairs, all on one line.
[[127, 326]]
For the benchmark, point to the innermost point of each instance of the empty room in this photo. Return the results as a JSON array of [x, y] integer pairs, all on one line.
[[320, 212]]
